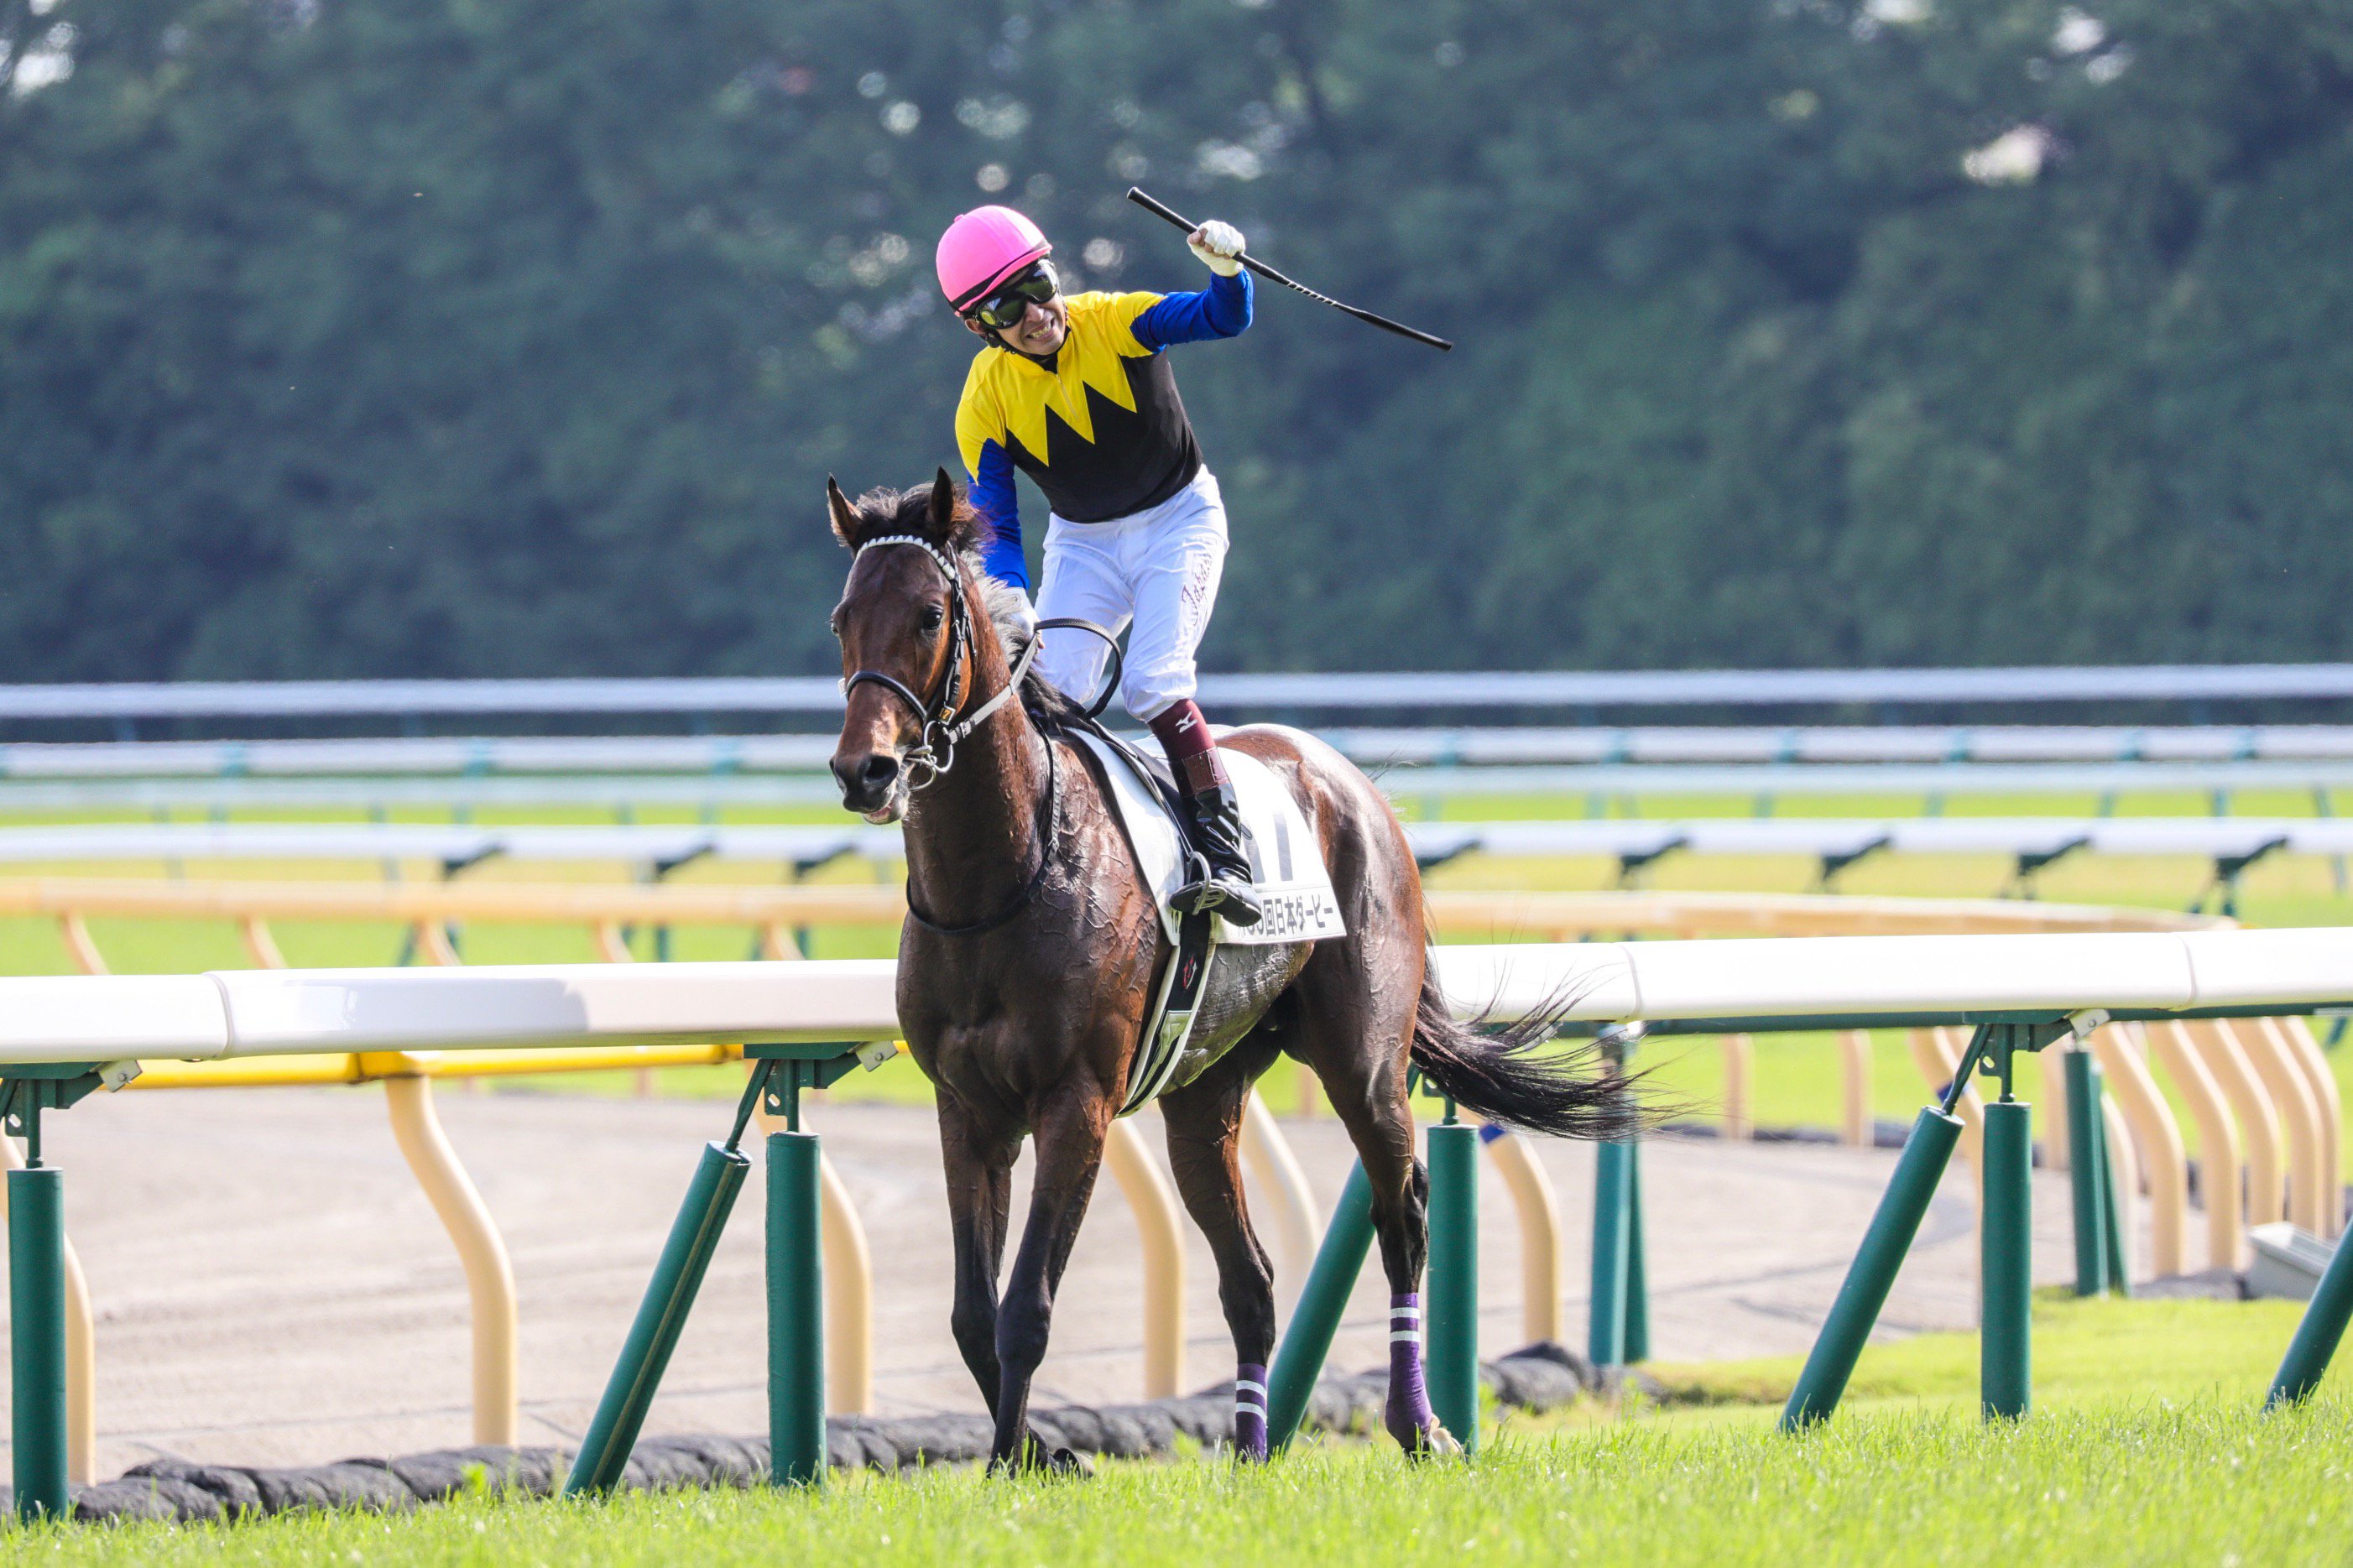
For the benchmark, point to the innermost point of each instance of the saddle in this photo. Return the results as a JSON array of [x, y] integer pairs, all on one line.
[[1287, 872]]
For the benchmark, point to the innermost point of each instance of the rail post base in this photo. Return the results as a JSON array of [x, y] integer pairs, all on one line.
[[2006, 1285], [795, 1312], [2317, 1331], [1638, 1268], [1307, 1340], [1829, 1365], [661, 1315], [1454, 1278], [2116, 1202], [36, 1340], [1613, 1178], [37, 1420], [2087, 1169], [785, 1070]]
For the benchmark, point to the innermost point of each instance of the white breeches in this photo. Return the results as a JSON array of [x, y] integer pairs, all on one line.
[[1159, 568]]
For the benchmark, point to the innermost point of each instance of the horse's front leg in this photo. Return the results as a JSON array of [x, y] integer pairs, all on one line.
[[1070, 1136], [979, 1156]]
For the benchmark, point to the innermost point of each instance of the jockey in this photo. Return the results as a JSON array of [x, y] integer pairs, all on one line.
[[1074, 391]]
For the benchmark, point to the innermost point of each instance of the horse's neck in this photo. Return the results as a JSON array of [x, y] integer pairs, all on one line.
[[972, 836]]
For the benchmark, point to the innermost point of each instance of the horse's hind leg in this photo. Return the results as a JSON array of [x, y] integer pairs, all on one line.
[[1356, 1027], [1070, 1144], [1204, 1122]]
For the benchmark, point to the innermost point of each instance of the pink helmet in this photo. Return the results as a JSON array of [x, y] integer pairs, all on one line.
[[983, 249]]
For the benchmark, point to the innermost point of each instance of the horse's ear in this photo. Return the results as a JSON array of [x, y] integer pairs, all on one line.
[[844, 515], [944, 499]]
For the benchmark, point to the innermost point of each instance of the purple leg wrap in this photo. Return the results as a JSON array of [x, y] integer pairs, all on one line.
[[1250, 1412], [1408, 1417]]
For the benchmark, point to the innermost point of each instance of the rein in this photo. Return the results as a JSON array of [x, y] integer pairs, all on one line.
[[1020, 901], [941, 729]]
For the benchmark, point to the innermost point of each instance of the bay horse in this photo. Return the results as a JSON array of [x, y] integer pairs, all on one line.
[[1031, 946]]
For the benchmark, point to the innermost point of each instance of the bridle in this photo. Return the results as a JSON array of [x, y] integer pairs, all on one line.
[[938, 715], [934, 752]]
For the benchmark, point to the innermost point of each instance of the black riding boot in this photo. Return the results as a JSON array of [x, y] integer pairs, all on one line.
[[1216, 841]]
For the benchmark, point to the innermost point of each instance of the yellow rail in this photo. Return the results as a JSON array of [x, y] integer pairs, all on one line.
[[371, 1067]]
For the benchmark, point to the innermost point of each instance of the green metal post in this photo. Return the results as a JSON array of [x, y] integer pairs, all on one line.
[[1299, 1359], [36, 1340], [1831, 1362], [1605, 1331], [2086, 1167], [795, 1313], [2005, 1281], [645, 1354], [2115, 1203], [1637, 1278], [1453, 1320], [2317, 1334]]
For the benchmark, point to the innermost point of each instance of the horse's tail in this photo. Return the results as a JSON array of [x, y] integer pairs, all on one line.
[[1508, 1076]]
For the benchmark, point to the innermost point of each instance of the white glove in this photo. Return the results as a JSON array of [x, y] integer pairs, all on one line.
[[1025, 624], [1219, 247]]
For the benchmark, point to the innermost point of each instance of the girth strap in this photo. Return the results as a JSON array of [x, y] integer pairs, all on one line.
[[1169, 1027]]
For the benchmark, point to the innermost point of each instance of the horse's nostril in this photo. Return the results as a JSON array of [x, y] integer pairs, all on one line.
[[866, 780]]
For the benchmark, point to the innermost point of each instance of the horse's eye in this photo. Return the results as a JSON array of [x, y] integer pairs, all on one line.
[[834, 621], [932, 617]]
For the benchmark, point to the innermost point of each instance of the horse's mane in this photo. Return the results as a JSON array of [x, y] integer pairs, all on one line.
[[885, 510]]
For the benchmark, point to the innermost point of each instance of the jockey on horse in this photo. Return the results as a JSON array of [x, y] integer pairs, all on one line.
[[1075, 392]]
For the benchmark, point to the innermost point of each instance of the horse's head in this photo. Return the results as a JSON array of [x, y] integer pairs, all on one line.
[[909, 640]]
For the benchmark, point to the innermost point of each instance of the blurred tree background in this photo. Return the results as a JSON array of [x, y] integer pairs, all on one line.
[[473, 336]]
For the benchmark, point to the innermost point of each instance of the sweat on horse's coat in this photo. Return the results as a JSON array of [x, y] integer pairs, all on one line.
[[1029, 1028]]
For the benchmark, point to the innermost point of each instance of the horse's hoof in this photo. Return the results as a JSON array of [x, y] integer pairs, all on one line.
[[1069, 1462], [1429, 1441], [1035, 1456]]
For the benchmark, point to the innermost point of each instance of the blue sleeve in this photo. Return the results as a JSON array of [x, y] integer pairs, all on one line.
[[1220, 311], [999, 506]]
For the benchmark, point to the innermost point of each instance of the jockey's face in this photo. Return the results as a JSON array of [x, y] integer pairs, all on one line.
[[1040, 332]]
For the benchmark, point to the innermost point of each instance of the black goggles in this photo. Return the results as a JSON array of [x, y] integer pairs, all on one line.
[[1003, 311]]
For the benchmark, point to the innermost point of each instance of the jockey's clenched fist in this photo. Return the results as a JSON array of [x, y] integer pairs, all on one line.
[[1219, 247]]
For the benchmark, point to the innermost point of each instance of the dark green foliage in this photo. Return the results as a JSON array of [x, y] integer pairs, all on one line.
[[340, 337]]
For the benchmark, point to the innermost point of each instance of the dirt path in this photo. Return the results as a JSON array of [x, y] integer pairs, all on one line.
[[272, 1288]]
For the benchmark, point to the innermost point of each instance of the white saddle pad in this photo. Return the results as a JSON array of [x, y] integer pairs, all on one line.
[[1287, 868]]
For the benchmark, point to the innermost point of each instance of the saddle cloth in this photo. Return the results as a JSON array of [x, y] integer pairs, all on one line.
[[1287, 868], [1286, 871]]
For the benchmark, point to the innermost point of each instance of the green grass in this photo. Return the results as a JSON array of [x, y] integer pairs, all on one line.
[[2146, 1446], [2085, 1351], [2121, 1481]]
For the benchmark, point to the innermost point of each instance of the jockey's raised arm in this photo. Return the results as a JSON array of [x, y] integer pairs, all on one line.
[[1220, 311]]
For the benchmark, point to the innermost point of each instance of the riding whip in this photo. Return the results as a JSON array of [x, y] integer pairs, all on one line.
[[1135, 194]]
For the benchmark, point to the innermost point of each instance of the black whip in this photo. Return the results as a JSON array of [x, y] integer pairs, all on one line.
[[1135, 194]]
